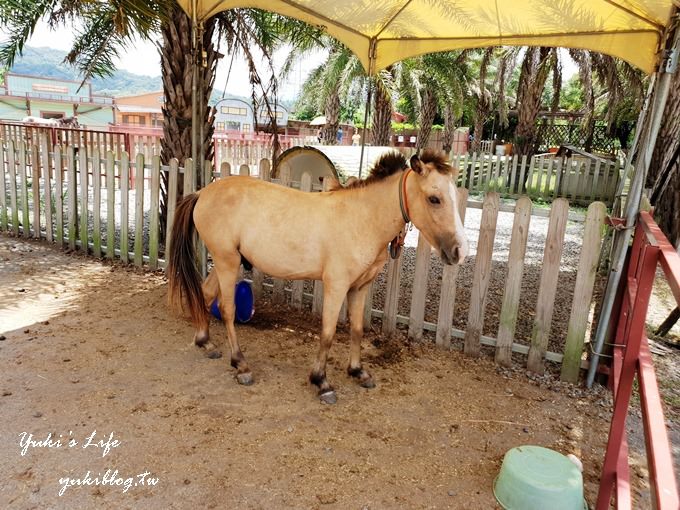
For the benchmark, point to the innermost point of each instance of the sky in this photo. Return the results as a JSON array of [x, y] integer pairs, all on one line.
[[142, 58]]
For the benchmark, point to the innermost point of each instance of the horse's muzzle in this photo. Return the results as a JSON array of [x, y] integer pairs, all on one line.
[[455, 253]]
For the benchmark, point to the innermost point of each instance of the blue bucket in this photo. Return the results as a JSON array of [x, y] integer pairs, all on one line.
[[244, 301]]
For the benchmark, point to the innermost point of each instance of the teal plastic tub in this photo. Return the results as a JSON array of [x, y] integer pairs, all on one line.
[[536, 478]]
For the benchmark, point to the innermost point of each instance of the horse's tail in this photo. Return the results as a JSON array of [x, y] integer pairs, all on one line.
[[184, 279]]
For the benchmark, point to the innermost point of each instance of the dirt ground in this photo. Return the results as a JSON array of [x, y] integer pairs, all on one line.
[[91, 347]]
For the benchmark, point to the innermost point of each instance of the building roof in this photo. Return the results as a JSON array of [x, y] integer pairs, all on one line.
[[133, 108]]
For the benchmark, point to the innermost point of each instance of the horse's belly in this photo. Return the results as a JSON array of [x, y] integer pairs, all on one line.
[[280, 261]]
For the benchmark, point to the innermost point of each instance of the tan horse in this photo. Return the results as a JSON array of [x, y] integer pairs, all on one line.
[[338, 237]]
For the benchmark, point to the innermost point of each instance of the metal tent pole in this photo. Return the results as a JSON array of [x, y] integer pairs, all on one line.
[[372, 52], [641, 122], [366, 114], [664, 76]]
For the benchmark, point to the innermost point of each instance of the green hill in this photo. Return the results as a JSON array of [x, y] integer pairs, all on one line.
[[48, 62]]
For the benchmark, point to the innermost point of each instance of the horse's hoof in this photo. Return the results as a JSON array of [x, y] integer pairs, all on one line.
[[368, 383], [328, 397], [201, 341], [246, 378], [214, 354]]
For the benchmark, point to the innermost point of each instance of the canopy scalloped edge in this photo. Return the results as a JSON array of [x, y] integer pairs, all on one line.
[[629, 29]]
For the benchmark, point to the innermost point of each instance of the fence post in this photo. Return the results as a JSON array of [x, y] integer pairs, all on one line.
[[35, 188], [110, 205], [13, 196], [173, 176], [482, 274], [225, 169], [154, 217], [513, 283], [71, 202], [583, 291], [419, 289], [139, 209], [47, 181], [265, 170], [96, 202], [84, 188], [4, 147], [59, 195], [447, 299], [23, 172], [124, 205], [473, 173], [389, 322], [597, 195], [548, 286]]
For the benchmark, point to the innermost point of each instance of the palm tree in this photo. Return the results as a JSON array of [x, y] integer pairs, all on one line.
[[484, 98], [381, 125], [329, 85], [109, 27], [536, 67], [431, 84]]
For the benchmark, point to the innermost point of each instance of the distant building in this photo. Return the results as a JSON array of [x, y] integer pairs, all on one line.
[[48, 98], [141, 110], [237, 115]]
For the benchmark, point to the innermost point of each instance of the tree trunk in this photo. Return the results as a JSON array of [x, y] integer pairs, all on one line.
[[382, 116], [449, 129], [480, 117], [332, 112], [664, 171], [175, 53], [535, 69], [427, 115]]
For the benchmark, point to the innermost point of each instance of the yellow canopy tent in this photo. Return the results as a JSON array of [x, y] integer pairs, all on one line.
[[381, 32]]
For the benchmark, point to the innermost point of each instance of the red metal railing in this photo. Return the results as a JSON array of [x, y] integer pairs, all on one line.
[[631, 358]]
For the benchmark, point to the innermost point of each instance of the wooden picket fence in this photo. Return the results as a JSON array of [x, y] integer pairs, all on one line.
[[545, 176], [72, 199]]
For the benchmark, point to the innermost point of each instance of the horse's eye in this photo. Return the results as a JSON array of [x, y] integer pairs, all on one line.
[[434, 200]]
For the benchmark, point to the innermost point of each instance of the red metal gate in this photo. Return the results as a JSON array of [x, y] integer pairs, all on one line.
[[631, 359]]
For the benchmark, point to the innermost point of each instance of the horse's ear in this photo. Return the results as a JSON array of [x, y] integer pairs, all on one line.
[[417, 165], [455, 172]]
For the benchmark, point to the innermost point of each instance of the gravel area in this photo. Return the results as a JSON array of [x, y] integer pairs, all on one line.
[[530, 280]]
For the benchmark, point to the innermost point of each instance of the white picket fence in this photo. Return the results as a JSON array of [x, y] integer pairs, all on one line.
[[86, 202], [543, 176]]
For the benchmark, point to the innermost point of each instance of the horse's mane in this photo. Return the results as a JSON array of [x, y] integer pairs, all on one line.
[[388, 164], [393, 162]]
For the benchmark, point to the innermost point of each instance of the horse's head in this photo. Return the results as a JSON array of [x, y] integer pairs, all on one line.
[[434, 206]]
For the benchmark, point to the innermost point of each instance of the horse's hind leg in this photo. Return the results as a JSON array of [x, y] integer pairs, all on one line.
[[226, 267], [211, 289], [332, 301], [356, 298]]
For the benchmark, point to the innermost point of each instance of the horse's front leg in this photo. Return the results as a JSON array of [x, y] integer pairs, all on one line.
[[356, 298], [333, 295]]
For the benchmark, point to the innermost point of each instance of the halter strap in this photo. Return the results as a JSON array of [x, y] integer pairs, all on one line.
[[403, 197], [398, 242]]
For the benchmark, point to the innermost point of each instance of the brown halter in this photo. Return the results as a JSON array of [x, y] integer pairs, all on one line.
[[397, 243]]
